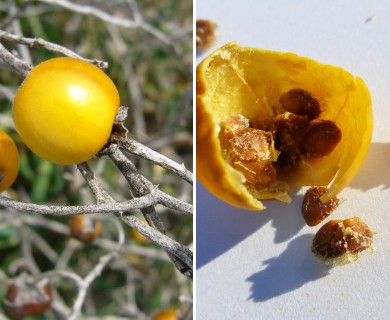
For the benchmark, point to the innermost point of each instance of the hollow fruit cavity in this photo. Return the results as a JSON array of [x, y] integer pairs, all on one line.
[[273, 150]]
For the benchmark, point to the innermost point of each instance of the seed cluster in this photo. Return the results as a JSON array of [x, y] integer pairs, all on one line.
[[299, 134], [294, 134], [337, 241]]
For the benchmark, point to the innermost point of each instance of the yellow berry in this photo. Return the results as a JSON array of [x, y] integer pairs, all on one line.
[[64, 110], [9, 161]]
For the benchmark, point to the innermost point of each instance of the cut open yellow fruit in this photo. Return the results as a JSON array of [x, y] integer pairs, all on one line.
[[250, 83]]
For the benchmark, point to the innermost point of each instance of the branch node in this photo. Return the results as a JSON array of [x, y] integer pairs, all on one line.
[[40, 42], [109, 149]]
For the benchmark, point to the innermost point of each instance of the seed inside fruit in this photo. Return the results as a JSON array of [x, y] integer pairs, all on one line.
[[290, 156], [321, 139], [249, 152], [300, 102], [234, 125], [274, 150]]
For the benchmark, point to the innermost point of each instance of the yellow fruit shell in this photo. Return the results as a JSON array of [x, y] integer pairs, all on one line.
[[9, 161], [249, 81]]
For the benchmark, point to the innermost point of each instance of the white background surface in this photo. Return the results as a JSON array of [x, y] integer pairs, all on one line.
[[258, 265]]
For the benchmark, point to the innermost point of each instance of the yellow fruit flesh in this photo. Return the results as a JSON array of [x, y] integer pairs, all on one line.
[[236, 80]]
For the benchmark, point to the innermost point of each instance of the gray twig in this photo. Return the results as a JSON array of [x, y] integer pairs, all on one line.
[[86, 282], [12, 11], [134, 147], [175, 250], [21, 67], [140, 186], [134, 204], [132, 84], [49, 46]]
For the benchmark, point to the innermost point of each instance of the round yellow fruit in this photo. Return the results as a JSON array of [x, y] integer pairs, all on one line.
[[64, 110], [249, 120], [167, 314], [9, 161]]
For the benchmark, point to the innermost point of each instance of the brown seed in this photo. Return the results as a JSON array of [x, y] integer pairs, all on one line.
[[249, 150], [359, 235], [342, 239], [300, 102], [320, 139], [313, 209], [205, 34], [294, 124], [234, 125], [250, 154], [289, 156], [288, 134]]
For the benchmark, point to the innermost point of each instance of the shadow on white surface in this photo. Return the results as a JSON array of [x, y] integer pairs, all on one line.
[[220, 226], [289, 271], [374, 171]]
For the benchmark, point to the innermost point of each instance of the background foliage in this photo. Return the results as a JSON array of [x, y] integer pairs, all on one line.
[[152, 68]]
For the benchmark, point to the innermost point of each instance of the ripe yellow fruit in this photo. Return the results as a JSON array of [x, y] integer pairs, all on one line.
[[9, 161], [248, 93], [64, 110], [167, 314]]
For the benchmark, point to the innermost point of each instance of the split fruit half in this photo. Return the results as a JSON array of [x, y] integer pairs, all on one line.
[[268, 122]]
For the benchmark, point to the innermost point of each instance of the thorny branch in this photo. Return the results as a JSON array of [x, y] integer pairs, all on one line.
[[142, 151], [53, 47], [145, 196], [164, 241], [104, 243], [150, 199], [18, 65], [139, 187]]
